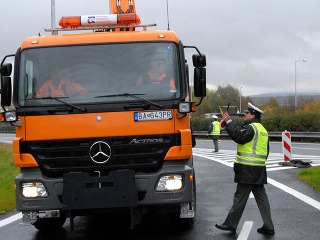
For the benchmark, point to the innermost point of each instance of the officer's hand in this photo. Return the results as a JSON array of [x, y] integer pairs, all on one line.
[[225, 117]]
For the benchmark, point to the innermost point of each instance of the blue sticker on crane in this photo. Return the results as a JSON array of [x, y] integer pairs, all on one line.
[[91, 19]]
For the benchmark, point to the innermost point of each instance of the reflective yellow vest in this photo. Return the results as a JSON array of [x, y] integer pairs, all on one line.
[[215, 128], [254, 153]]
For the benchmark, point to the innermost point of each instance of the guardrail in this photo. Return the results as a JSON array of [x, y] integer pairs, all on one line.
[[274, 135]]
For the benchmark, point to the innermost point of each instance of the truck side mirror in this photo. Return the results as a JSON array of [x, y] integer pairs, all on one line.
[[5, 91], [6, 69], [200, 82], [199, 60]]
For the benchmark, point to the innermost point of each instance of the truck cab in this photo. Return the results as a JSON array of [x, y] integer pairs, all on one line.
[[102, 123]]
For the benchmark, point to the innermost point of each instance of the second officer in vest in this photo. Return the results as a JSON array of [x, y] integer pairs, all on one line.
[[214, 131], [249, 168]]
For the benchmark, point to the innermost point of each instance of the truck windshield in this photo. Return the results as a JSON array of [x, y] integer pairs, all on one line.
[[84, 73]]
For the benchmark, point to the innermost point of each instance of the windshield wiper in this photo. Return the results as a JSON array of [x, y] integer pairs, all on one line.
[[65, 103], [133, 95]]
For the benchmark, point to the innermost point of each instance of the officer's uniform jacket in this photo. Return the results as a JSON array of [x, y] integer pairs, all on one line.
[[245, 173]]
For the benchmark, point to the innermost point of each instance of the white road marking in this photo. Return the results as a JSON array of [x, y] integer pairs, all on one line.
[[11, 219], [279, 168], [295, 193], [281, 186], [246, 229], [272, 163]]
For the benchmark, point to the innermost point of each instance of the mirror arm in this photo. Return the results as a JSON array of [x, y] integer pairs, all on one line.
[[194, 48], [199, 102], [11, 55]]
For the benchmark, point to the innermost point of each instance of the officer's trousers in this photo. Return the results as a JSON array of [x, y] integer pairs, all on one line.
[[215, 139], [239, 202]]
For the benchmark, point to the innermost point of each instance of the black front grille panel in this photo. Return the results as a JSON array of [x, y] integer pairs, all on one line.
[[142, 154]]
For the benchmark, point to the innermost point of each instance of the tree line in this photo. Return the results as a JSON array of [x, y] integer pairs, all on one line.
[[303, 118]]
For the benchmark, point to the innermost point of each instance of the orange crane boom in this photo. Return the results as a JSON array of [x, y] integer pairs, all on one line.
[[122, 6]]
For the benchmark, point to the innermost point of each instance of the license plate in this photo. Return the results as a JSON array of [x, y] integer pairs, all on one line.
[[151, 116]]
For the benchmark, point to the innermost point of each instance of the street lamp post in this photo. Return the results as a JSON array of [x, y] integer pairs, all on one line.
[[240, 99], [295, 81], [53, 14]]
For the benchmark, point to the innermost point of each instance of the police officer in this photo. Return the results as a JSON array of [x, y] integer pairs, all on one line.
[[214, 131], [250, 169]]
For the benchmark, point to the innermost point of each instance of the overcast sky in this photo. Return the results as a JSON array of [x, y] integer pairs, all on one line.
[[252, 44]]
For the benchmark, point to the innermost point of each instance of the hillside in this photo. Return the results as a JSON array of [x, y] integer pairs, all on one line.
[[283, 98]]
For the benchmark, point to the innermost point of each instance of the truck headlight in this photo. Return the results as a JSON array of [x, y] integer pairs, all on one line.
[[169, 183], [186, 107], [10, 116], [34, 190]]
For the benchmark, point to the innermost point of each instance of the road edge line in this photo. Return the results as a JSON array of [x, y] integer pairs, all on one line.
[[295, 193], [11, 219]]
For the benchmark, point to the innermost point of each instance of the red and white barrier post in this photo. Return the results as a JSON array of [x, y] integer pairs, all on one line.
[[286, 146], [287, 153]]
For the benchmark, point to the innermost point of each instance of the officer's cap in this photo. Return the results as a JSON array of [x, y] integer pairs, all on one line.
[[214, 116], [253, 109]]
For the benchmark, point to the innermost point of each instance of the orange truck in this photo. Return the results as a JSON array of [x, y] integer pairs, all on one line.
[[103, 120]]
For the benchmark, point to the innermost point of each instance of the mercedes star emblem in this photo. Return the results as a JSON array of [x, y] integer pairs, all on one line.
[[100, 152]]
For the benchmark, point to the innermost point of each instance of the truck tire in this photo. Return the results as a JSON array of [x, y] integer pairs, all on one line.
[[46, 224]]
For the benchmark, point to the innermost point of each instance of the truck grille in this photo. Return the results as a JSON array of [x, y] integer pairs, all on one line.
[[142, 154]]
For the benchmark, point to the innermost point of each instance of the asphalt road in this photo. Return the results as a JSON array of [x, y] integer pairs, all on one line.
[[295, 206]]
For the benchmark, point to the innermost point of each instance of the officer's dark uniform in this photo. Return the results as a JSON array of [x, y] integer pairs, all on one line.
[[250, 173]]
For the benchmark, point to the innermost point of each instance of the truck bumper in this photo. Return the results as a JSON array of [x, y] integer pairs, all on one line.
[[144, 191]]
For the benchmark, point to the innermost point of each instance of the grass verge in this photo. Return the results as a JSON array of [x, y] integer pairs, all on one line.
[[7, 174], [311, 176]]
